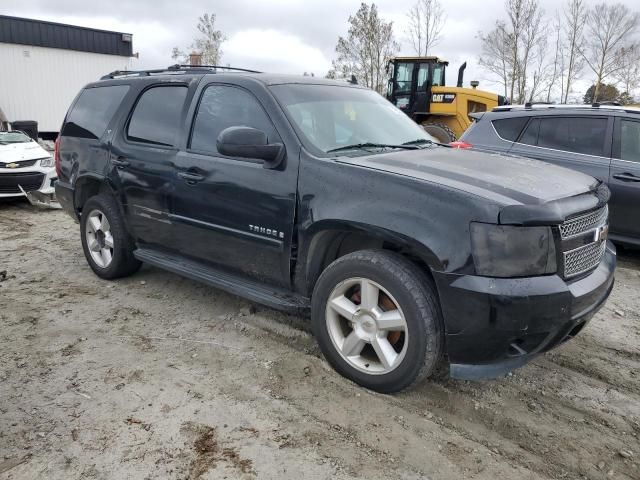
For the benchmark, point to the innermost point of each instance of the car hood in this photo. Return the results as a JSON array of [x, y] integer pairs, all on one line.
[[506, 180], [17, 152]]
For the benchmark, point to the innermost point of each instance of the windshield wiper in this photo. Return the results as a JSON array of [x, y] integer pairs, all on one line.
[[364, 146], [420, 141]]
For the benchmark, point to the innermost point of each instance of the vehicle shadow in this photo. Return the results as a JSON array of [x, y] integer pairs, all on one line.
[[628, 257]]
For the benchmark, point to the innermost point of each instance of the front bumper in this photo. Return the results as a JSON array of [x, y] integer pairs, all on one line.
[[31, 179], [494, 325]]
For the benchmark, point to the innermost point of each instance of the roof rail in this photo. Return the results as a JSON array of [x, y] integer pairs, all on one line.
[[210, 67], [531, 104], [565, 106], [606, 103], [173, 70]]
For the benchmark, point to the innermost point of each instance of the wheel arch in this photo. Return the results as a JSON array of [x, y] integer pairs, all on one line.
[[329, 240], [88, 186]]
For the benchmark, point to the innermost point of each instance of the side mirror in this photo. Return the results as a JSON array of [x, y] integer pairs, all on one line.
[[247, 142]]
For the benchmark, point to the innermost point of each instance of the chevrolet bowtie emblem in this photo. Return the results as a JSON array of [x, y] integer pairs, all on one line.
[[12, 165], [602, 233]]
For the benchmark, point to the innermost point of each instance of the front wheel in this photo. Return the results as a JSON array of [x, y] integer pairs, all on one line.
[[375, 316], [440, 132]]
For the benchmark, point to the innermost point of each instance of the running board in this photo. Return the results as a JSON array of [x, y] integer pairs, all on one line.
[[278, 299]]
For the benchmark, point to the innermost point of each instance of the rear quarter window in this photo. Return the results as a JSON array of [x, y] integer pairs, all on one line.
[[92, 112], [510, 128]]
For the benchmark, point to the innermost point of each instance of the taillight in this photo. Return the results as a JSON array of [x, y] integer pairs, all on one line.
[[460, 144], [56, 156]]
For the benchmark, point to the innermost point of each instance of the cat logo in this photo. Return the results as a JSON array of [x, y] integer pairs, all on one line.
[[443, 97]]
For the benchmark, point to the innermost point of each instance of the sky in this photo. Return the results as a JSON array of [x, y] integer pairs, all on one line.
[[284, 36]]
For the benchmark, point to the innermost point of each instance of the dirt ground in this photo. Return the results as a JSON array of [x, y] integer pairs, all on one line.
[[156, 376]]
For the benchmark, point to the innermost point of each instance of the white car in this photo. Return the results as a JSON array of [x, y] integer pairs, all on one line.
[[25, 167]]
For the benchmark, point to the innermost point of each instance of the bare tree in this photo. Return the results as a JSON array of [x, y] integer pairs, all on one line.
[[518, 44], [208, 43], [609, 30], [629, 72], [496, 53], [426, 21], [558, 65], [366, 50], [575, 18]]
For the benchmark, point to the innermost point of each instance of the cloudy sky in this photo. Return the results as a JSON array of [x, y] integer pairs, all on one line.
[[291, 36]]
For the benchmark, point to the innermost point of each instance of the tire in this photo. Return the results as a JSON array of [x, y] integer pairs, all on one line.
[[417, 350], [440, 132], [104, 209]]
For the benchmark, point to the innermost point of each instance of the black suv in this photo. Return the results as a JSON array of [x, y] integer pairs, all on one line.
[[308, 194], [600, 140]]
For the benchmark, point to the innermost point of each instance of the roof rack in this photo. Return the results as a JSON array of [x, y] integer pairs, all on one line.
[[175, 70]]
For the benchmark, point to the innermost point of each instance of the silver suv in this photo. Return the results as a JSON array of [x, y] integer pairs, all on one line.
[[602, 141]]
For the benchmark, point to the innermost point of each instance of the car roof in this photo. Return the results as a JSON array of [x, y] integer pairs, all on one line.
[[186, 72]]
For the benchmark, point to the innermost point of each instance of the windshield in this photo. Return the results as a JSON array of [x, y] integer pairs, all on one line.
[[329, 117], [13, 137]]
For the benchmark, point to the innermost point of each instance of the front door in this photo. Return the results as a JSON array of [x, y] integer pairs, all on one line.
[[233, 212], [142, 157], [624, 180]]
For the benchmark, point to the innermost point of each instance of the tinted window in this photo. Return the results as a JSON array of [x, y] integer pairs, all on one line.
[[93, 110], [156, 117], [510, 128], [630, 141], [530, 135], [573, 134], [221, 107]]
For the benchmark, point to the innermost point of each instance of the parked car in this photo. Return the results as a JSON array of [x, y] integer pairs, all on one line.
[[307, 194], [24, 166], [602, 141]]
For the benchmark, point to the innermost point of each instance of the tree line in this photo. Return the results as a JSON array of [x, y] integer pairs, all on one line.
[[537, 57], [533, 55]]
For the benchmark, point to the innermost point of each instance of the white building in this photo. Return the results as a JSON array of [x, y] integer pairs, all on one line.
[[43, 66]]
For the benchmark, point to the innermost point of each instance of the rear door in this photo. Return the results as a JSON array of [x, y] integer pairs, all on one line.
[[142, 156], [624, 180], [581, 143]]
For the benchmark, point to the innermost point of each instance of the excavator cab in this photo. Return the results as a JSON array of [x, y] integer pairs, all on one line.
[[417, 86]]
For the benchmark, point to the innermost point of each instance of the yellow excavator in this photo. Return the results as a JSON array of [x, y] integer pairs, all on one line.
[[417, 86]]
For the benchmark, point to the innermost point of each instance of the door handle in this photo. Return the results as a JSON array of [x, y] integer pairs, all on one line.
[[120, 162], [191, 177], [627, 177]]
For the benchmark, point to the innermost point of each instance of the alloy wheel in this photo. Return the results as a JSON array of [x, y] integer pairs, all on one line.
[[99, 238], [367, 326]]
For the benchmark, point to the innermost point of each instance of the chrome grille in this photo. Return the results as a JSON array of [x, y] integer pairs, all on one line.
[[584, 223], [583, 259]]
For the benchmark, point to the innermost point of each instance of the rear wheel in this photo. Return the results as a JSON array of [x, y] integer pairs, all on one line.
[[440, 132], [107, 245], [376, 319]]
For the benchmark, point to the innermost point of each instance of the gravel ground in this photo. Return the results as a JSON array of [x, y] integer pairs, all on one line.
[[156, 376]]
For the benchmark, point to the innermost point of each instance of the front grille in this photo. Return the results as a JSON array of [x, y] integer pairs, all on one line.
[[584, 223], [28, 181], [20, 164], [583, 259], [584, 242]]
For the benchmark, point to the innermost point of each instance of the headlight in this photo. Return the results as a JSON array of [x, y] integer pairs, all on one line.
[[46, 162], [508, 251]]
